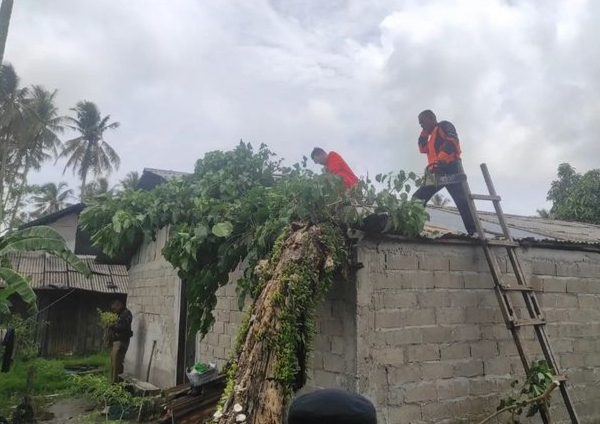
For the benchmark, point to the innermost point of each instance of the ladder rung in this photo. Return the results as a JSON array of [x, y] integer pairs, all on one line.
[[517, 288], [485, 197], [526, 322], [507, 243], [561, 378]]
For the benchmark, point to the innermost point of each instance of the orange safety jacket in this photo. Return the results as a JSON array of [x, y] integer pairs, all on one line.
[[337, 165], [441, 145]]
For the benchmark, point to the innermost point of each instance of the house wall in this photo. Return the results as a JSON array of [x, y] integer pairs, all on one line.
[[71, 325], [433, 345], [420, 332], [67, 227], [153, 297], [333, 363]]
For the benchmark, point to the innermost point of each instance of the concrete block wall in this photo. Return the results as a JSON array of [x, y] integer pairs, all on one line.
[[333, 363], [154, 295], [432, 345]]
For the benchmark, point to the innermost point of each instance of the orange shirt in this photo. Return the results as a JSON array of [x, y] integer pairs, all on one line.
[[336, 165]]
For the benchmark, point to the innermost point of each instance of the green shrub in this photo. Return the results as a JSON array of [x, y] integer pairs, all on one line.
[[25, 329], [49, 377], [98, 388]]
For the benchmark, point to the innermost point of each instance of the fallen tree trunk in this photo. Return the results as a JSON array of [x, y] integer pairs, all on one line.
[[270, 359]]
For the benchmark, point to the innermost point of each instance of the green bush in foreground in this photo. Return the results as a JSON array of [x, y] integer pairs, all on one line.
[[49, 377]]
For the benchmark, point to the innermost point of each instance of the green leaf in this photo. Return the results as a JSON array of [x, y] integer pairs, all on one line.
[[41, 231], [32, 245], [222, 229], [19, 284], [116, 222], [201, 231], [72, 259]]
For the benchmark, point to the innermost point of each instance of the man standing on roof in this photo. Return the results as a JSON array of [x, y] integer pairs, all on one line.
[[335, 164], [439, 141]]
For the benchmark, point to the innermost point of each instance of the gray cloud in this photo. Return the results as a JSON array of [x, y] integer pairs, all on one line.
[[517, 78]]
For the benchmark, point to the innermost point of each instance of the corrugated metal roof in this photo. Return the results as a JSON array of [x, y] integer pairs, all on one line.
[[167, 174], [447, 221], [48, 272]]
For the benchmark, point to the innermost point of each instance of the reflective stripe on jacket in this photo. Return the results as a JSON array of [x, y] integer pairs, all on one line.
[[441, 144]]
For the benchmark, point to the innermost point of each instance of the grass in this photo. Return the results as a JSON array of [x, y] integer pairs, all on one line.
[[49, 377], [98, 360]]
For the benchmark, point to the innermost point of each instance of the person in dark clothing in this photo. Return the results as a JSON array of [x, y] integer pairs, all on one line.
[[9, 345], [332, 406], [120, 335], [439, 141]]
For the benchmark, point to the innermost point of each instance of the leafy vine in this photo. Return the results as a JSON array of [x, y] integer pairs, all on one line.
[[233, 209]]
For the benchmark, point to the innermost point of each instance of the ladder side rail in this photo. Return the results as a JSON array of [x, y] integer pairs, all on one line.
[[520, 348], [551, 359], [516, 266], [492, 190], [530, 299], [473, 209]]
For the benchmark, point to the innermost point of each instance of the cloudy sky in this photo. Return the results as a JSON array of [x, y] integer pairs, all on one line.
[[519, 79]]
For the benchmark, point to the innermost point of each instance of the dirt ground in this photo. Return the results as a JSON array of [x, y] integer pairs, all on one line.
[[66, 410]]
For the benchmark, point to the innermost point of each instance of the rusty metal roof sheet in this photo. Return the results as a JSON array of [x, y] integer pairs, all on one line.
[[48, 272]]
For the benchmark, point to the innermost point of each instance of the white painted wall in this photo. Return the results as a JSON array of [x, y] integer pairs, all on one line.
[[67, 227]]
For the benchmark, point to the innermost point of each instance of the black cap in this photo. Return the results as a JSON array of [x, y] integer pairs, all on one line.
[[332, 406]]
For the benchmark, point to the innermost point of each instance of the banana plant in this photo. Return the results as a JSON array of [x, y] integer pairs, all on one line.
[[42, 239]]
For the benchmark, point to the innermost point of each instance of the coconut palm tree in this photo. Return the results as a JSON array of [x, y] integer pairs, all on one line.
[[439, 201], [51, 198], [5, 12], [89, 152], [100, 187], [39, 137], [12, 103], [130, 181]]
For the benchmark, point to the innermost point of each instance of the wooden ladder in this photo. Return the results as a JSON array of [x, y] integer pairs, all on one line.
[[504, 292]]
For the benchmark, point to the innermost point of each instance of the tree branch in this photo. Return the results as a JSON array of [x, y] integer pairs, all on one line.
[[541, 398]]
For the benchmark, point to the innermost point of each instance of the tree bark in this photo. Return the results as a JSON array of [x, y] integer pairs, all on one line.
[[5, 12], [260, 394], [83, 180]]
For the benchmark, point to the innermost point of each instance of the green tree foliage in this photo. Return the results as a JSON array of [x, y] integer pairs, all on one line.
[[231, 211], [543, 213], [96, 189], [29, 124], [439, 201], [574, 196], [50, 198], [89, 152], [33, 239], [130, 181]]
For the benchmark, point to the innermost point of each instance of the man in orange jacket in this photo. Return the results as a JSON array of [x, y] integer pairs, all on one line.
[[439, 141], [335, 164]]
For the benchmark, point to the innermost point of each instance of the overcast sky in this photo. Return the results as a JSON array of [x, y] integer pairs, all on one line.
[[519, 79]]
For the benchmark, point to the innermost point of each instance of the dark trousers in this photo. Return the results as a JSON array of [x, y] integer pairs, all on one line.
[[425, 193]]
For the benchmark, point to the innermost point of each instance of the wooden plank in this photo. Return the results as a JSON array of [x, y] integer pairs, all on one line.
[[486, 197], [528, 322], [503, 243], [517, 288]]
